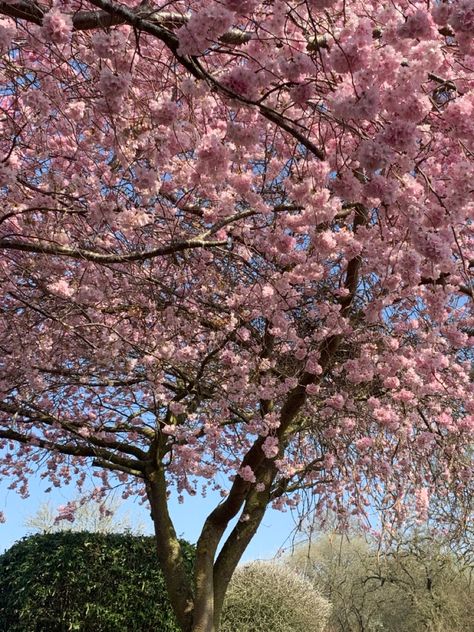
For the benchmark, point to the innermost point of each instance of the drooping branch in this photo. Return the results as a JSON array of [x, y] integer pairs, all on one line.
[[34, 416], [70, 449]]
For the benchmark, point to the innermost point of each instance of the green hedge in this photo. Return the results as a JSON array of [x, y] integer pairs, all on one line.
[[86, 582]]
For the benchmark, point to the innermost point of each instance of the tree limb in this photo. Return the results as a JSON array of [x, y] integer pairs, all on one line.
[[44, 248]]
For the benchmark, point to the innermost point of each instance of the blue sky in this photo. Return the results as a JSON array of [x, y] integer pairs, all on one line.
[[275, 532]]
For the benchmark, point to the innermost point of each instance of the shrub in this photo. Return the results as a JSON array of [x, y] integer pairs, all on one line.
[[88, 582], [267, 597]]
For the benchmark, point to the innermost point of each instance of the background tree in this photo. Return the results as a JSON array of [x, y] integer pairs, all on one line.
[[339, 567], [89, 516], [416, 583], [236, 252]]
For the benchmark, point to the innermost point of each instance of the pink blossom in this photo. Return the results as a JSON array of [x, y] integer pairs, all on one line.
[[372, 155], [462, 16], [62, 288], [387, 417], [401, 135], [242, 81], [329, 461], [382, 188], [312, 366], [204, 27], [417, 26], [270, 447], [347, 57], [66, 512], [336, 401], [56, 26], [113, 85], [163, 112], [148, 179], [364, 443], [391, 382], [347, 424], [247, 474], [440, 12], [212, 156], [313, 389]]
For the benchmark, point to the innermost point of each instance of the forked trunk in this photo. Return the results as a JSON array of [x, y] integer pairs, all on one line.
[[197, 601]]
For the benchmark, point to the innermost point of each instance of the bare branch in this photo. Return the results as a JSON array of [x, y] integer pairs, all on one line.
[[117, 468]]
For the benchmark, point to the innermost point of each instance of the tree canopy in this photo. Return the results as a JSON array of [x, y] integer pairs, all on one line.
[[236, 251]]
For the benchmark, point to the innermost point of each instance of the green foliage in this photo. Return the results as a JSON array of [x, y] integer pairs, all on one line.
[[84, 582], [267, 597]]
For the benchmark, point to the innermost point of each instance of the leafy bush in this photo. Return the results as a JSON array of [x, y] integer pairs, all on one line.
[[88, 582], [267, 597]]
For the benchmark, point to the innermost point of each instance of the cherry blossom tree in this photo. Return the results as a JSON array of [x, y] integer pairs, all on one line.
[[236, 253]]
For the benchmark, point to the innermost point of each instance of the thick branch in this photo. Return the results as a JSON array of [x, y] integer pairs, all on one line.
[[23, 10], [117, 468], [89, 20], [44, 248], [238, 540]]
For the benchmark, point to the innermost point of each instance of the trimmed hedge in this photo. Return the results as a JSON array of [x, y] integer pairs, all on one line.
[[85, 582]]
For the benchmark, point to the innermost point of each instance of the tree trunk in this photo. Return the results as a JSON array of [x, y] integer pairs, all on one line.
[[170, 555], [203, 612], [203, 620]]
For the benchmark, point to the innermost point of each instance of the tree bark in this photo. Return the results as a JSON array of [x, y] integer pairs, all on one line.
[[170, 555]]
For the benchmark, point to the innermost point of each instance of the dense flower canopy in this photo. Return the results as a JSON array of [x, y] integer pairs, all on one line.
[[236, 234]]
